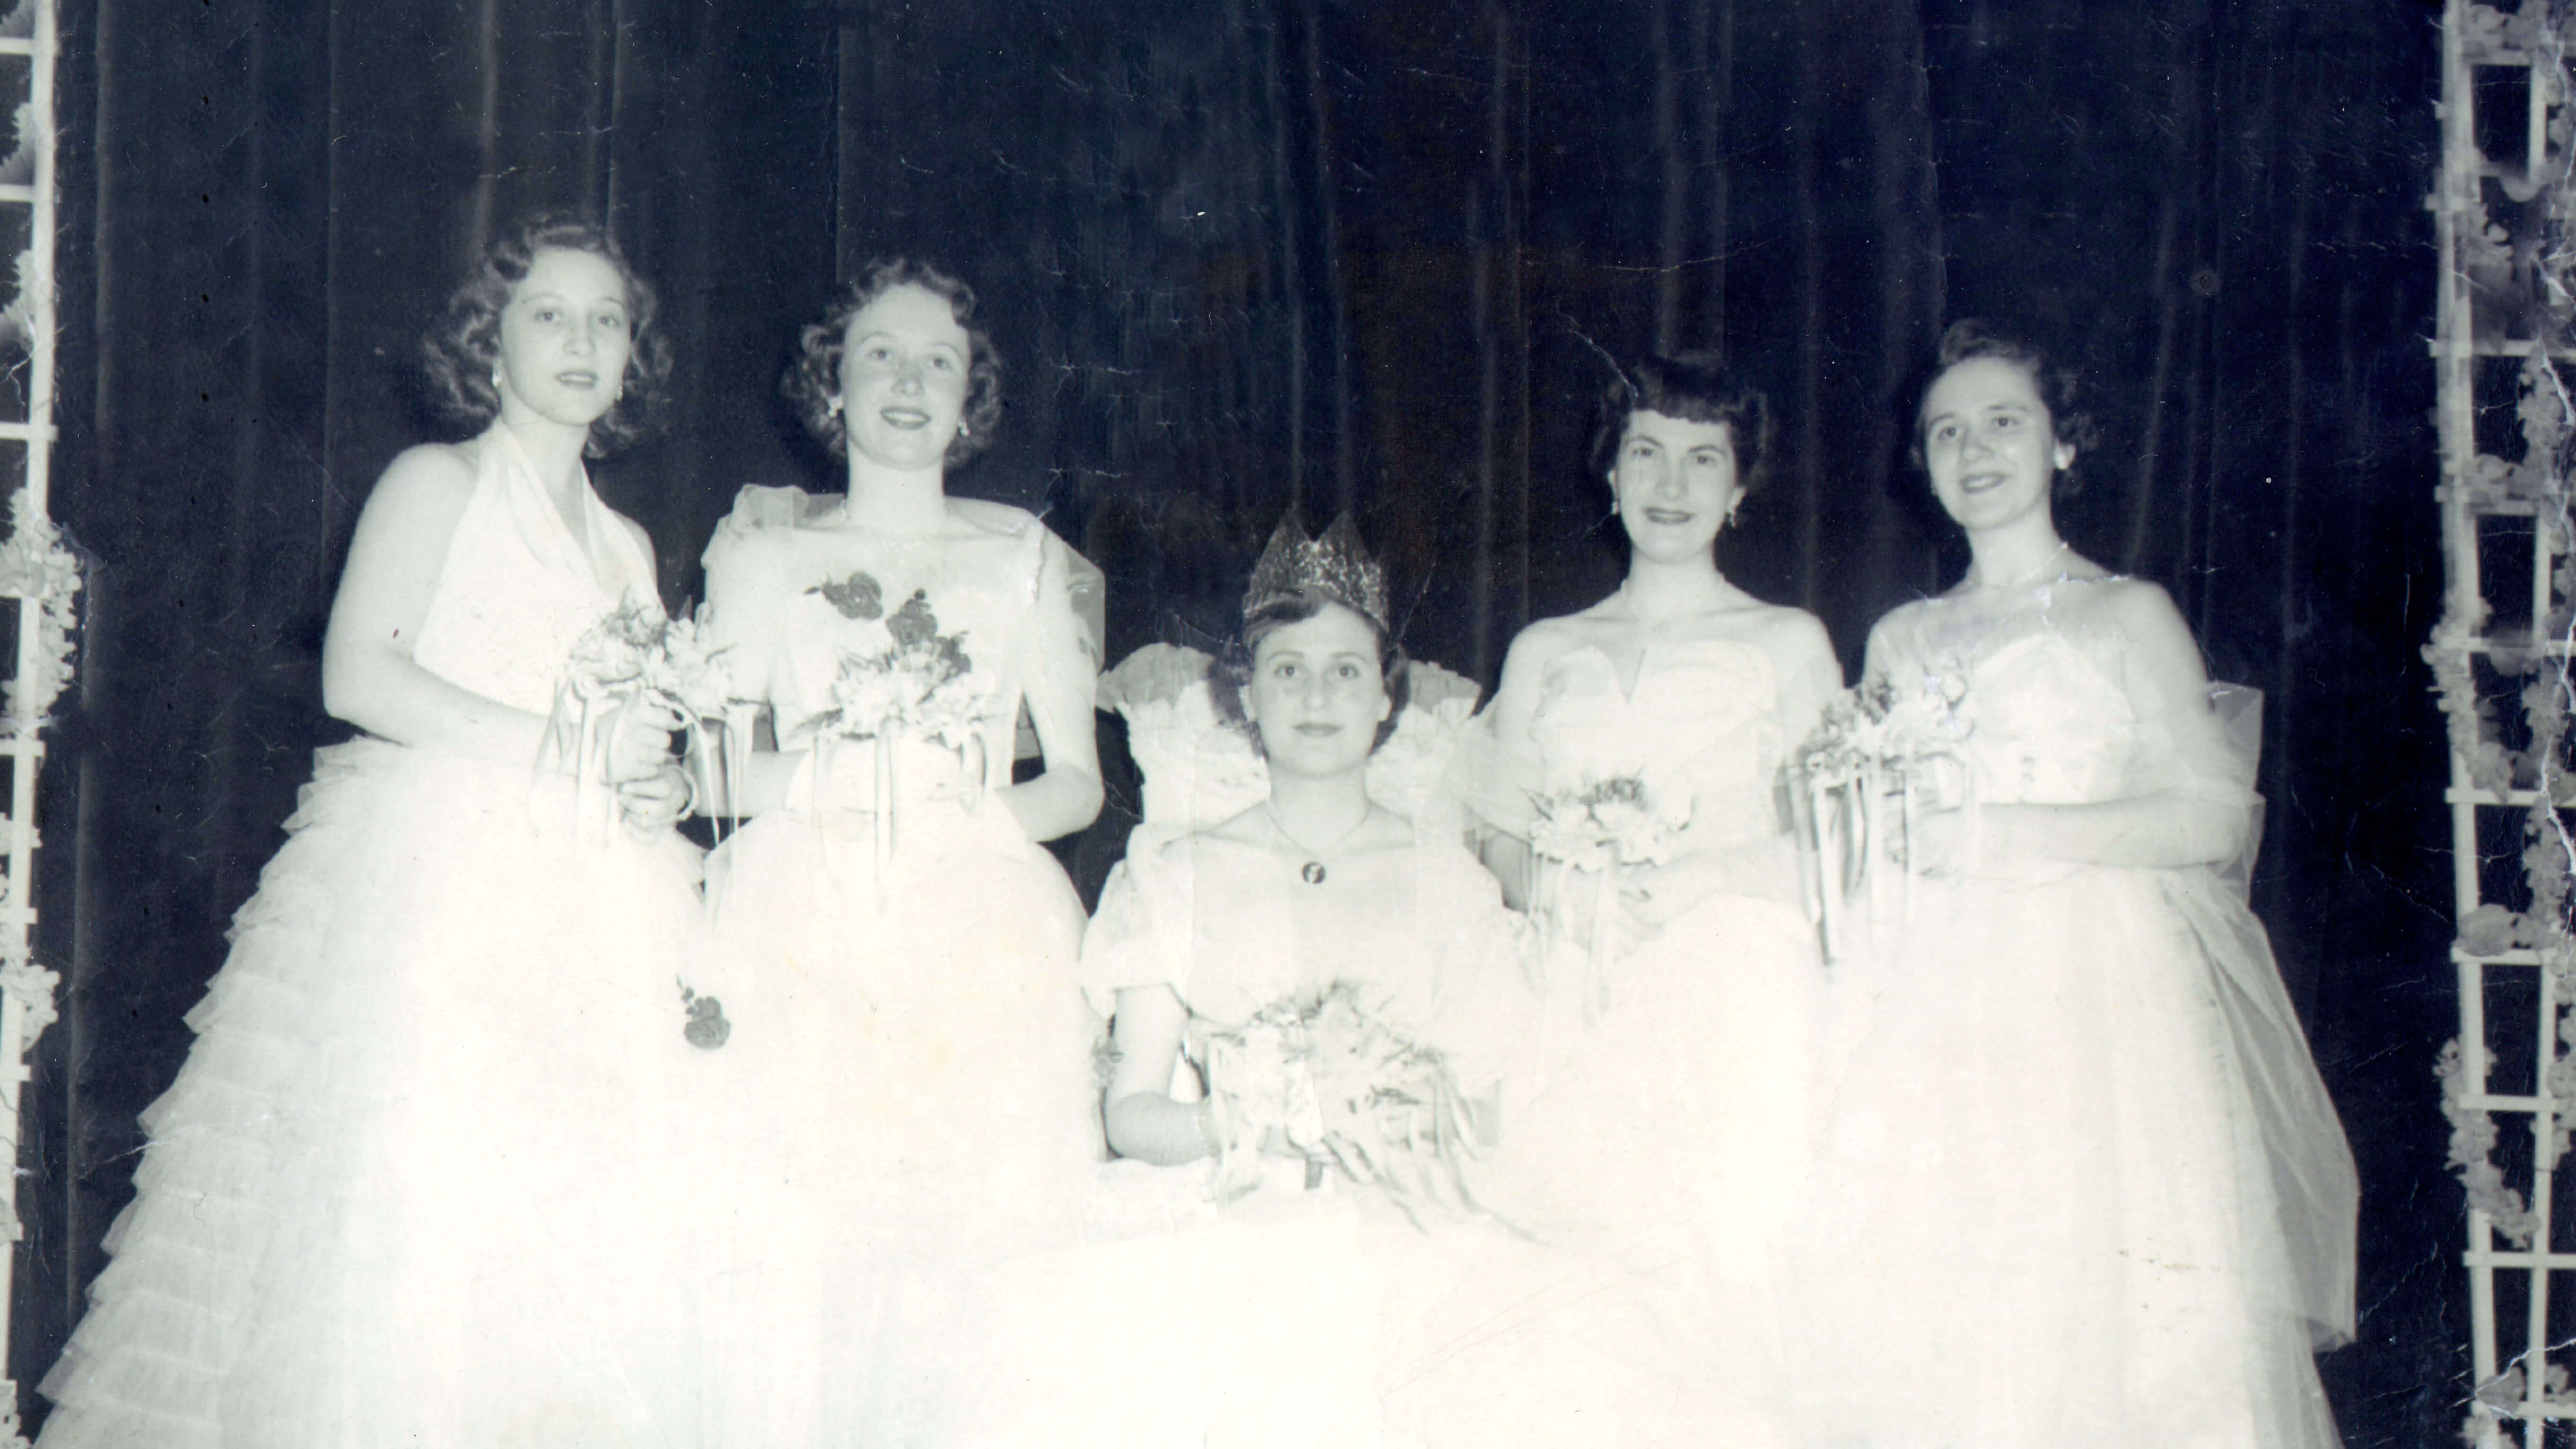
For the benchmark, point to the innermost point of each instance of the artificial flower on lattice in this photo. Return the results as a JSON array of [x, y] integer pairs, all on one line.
[[1327, 1078], [34, 988], [36, 565]]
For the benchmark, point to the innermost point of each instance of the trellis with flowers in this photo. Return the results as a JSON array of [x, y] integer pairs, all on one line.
[[37, 572], [2505, 222]]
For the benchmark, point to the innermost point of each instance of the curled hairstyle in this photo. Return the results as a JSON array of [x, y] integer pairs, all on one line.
[[2060, 387], [1696, 388], [463, 347], [1233, 671], [813, 382]]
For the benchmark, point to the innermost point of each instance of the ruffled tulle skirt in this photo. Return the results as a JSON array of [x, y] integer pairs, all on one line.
[[911, 1095], [2041, 1213], [421, 1179], [1652, 1156]]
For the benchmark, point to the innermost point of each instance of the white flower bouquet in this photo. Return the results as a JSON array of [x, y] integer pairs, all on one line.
[[634, 655], [1879, 756], [1326, 1078], [901, 680]]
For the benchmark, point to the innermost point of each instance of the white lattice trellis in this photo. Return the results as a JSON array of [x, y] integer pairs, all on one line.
[[35, 570], [2505, 220]]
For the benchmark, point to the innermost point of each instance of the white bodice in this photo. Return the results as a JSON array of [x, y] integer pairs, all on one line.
[[1704, 717], [519, 588], [2050, 718], [793, 593]]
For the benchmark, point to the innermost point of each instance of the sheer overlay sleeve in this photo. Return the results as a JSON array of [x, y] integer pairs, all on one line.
[[1141, 934], [2202, 745], [747, 585], [1061, 664], [2299, 1211], [2183, 748]]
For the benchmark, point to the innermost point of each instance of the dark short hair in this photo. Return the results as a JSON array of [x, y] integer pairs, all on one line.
[[1696, 388], [2060, 387], [462, 347], [813, 381], [1233, 670]]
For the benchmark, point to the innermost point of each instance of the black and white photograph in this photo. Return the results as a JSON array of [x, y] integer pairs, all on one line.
[[1288, 724]]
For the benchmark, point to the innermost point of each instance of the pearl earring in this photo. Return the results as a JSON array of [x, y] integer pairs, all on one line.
[[832, 406], [965, 429]]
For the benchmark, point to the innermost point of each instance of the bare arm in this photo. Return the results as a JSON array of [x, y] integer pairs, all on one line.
[[1515, 706], [1809, 675], [369, 677], [1143, 1120]]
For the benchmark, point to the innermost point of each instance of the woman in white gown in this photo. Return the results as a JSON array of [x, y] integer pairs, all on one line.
[[1630, 799], [414, 1184], [2082, 1185], [1242, 1285], [912, 1057]]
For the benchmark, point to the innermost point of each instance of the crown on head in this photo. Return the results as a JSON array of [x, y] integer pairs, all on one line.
[[1334, 563]]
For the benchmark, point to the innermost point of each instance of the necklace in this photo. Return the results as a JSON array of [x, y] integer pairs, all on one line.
[[2031, 575], [1312, 872]]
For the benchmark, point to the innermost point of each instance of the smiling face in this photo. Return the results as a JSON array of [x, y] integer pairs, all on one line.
[[566, 335], [1318, 693], [1675, 483], [1990, 444], [904, 362]]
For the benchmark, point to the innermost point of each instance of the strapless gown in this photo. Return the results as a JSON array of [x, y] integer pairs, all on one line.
[[1656, 1140]]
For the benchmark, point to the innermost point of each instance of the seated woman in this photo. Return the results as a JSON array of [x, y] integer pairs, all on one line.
[[1343, 984]]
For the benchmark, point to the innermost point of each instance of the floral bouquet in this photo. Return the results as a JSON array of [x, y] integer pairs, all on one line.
[[1876, 745], [1607, 822], [633, 655], [1328, 1079], [901, 679], [1596, 828]]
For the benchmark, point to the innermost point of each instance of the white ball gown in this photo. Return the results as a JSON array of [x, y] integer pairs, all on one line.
[[911, 1063], [416, 1181], [2082, 1184], [1274, 1319], [1657, 1139]]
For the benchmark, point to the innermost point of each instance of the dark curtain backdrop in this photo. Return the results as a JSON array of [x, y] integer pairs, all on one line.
[[1243, 255]]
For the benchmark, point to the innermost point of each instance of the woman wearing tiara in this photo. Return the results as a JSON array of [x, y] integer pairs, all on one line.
[[413, 1184], [897, 947], [2082, 1185], [1629, 799], [1251, 1260]]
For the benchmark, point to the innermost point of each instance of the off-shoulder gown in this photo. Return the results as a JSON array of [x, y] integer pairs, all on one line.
[[1282, 1318]]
